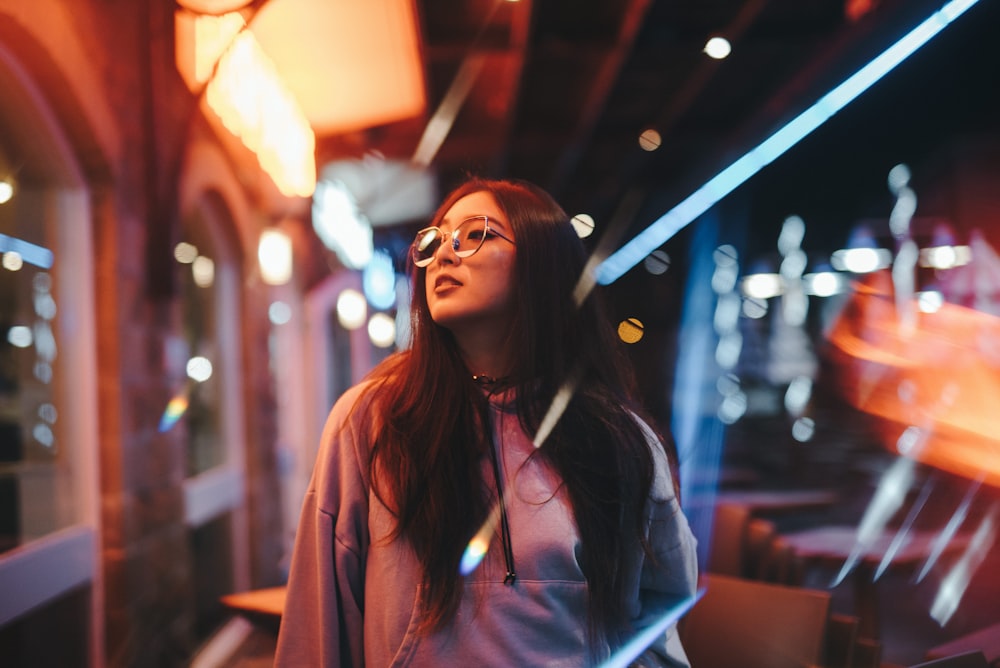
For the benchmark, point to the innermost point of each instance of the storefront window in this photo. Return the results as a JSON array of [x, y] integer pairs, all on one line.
[[36, 485], [197, 257]]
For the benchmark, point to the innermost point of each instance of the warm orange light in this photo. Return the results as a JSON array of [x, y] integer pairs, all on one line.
[[351, 65], [942, 377], [253, 103]]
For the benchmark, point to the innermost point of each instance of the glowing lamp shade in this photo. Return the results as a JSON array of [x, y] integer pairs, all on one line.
[[314, 41], [274, 253]]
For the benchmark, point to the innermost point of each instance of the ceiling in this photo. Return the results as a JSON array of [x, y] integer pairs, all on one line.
[[559, 91]]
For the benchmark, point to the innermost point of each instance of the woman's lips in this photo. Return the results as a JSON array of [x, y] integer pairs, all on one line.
[[444, 283]]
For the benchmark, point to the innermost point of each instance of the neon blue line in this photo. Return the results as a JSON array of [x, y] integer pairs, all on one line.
[[29, 252], [730, 178]]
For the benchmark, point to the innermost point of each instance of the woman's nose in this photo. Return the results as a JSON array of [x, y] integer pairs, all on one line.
[[446, 251]]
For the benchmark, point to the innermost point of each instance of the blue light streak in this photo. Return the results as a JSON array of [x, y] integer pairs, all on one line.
[[774, 146], [29, 252]]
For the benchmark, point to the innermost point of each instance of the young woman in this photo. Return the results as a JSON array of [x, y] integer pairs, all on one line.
[[432, 462]]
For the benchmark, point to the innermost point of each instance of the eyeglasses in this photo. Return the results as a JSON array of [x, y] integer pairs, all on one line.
[[467, 238]]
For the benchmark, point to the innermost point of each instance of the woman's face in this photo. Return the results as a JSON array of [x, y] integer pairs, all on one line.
[[475, 293]]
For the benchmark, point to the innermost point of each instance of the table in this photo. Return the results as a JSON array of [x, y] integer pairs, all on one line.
[[772, 502], [831, 546], [986, 640], [262, 607]]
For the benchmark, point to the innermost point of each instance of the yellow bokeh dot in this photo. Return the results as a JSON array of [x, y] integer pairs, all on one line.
[[630, 330]]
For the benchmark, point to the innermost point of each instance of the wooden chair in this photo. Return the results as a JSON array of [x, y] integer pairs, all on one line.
[[728, 534], [841, 639], [781, 564], [759, 535], [751, 624]]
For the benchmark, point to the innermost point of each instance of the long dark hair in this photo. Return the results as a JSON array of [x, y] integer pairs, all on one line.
[[427, 456]]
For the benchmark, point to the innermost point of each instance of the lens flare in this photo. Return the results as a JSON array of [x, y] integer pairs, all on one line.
[[176, 408], [479, 545]]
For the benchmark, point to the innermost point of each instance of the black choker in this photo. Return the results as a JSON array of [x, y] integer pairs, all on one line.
[[485, 381]]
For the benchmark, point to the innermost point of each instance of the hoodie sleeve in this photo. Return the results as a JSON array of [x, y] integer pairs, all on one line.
[[672, 575], [323, 620]]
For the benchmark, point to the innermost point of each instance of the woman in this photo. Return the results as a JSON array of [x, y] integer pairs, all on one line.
[[436, 446]]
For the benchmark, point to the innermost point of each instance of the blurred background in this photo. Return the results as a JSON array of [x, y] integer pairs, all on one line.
[[205, 210]]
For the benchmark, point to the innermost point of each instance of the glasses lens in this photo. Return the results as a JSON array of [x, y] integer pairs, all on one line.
[[469, 236], [425, 245]]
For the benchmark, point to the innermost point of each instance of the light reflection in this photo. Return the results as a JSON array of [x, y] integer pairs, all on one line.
[[20, 336], [939, 367], [727, 352], [755, 308], [199, 369], [718, 48], [945, 257], [12, 261], [480, 544], [203, 271], [954, 584], [733, 407], [823, 283], [798, 394], [630, 330], [583, 224], [6, 191], [902, 533], [650, 140], [657, 262], [803, 429], [279, 313], [31, 253], [889, 496], [382, 330], [733, 176], [43, 434], [175, 409], [942, 540], [861, 260], [352, 310], [378, 280], [185, 253], [930, 301], [762, 286], [274, 255]]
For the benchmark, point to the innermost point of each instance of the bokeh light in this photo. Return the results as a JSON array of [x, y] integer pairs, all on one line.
[[352, 310], [583, 224], [631, 330], [718, 48], [382, 330]]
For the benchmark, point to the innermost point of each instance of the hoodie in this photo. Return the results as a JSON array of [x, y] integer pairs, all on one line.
[[354, 593]]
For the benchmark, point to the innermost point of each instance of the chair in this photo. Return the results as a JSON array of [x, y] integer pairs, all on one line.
[[841, 638], [759, 534], [728, 534], [781, 564], [973, 659], [740, 622]]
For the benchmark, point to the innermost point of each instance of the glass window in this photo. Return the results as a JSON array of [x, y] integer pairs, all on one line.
[[197, 259], [36, 482]]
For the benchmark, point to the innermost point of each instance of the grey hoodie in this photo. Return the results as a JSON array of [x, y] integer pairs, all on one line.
[[353, 593]]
